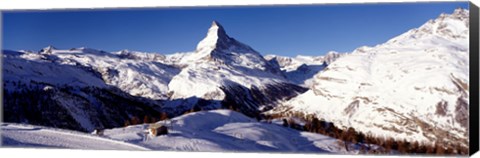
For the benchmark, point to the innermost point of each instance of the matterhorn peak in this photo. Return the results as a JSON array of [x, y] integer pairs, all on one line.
[[217, 30], [216, 24], [216, 36], [48, 49]]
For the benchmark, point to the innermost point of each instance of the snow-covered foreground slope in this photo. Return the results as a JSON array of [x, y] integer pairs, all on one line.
[[414, 87], [225, 130], [21, 135], [216, 130]]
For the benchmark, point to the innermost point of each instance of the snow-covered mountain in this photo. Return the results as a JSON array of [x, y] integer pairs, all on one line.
[[292, 63], [82, 88], [225, 71], [301, 69], [413, 87], [137, 73], [97, 89]]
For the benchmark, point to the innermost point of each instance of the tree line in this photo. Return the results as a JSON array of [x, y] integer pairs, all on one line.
[[135, 120], [365, 142]]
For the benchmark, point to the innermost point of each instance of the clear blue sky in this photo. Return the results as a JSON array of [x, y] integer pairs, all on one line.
[[282, 30]]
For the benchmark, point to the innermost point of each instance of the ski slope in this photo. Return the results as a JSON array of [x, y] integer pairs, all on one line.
[[21, 135]]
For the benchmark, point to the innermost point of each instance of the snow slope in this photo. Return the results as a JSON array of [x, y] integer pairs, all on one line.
[[225, 130], [21, 135], [218, 130], [414, 87]]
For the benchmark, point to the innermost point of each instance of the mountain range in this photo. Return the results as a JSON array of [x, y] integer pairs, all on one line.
[[412, 87]]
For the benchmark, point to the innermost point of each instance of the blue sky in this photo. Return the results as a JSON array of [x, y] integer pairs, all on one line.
[[282, 30]]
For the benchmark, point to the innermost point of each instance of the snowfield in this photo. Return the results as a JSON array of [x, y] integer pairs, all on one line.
[[216, 130], [22, 135], [225, 130]]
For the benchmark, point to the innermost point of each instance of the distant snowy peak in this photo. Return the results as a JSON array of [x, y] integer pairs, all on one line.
[[48, 49], [332, 56], [123, 54], [293, 63], [220, 49], [51, 50], [227, 72], [217, 39], [301, 69], [127, 54], [137, 73]]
